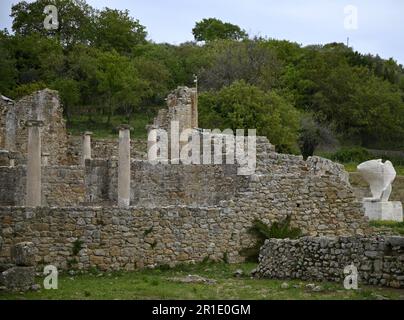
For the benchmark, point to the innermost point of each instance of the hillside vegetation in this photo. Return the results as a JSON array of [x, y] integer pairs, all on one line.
[[299, 97]]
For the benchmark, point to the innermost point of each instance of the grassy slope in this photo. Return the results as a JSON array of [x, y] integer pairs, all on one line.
[[155, 284]]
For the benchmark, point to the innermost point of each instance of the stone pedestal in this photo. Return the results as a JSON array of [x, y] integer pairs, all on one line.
[[34, 164], [384, 210]]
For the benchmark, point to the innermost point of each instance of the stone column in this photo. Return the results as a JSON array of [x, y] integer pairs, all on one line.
[[34, 164], [194, 108], [124, 166], [86, 146]]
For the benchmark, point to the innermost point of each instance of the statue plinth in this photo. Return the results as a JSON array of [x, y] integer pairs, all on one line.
[[380, 177], [384, 210]]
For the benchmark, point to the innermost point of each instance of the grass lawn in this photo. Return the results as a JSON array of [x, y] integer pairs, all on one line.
[[396, 227], [159, 284]]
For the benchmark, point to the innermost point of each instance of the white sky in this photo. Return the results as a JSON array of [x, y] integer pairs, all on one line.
[[380, 29]]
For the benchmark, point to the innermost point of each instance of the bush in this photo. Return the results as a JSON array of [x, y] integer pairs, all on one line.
[[355, 154], [278, 230]]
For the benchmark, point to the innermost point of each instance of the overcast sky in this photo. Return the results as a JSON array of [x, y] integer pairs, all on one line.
[[379, 29]]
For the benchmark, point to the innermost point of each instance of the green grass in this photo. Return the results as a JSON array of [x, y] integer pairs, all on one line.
[[351, 167], [156, 284], [78, 124], [396, 227]]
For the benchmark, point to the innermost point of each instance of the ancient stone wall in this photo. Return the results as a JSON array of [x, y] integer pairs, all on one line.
[[315, 193], [61, 186], [42, 105], [5, 104], [182, 107], [103, 148], [11, 192], [220, 208], [114, 238], [125, 238], [379, 260]]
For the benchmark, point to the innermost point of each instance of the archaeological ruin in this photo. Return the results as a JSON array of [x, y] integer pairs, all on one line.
[[86, 202]]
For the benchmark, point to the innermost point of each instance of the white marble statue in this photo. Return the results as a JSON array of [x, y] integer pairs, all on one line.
[[380, 176]]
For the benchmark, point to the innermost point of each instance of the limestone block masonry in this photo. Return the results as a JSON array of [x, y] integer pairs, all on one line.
[[113, 238], [42, 105], [379, 260], [179, 213]]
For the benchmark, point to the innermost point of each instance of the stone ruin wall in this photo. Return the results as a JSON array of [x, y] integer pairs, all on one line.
[[379, 260], [182, 106], [61, 186], [4, 107], [103, 149], [160, 230], [180, 213], [42, 105]]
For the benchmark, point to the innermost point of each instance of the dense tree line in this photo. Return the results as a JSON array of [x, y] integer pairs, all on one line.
[[102, 63]]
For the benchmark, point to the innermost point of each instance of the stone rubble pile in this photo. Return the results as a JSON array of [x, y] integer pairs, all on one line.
[[21, 276]]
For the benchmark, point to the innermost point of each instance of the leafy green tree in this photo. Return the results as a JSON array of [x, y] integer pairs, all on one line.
[[118, 83], [25, 89], [214, 29], [75, 20], [7, 65], [309, 137], [69, 92], [243, 106], [37, 58], [251, 61], [115, 29], [312, 134], [82, 66]]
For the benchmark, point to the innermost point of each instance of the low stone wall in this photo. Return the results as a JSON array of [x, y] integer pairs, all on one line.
[[379, 260], [61, 185], [114, 238]]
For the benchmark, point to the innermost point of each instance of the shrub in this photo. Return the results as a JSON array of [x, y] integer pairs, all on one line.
[[278, 230], [77, 246], [355, 154]]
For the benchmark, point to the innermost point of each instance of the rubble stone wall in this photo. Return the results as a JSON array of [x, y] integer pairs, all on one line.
[[379, 260], [42, 105], [112, 238], [61, 186]]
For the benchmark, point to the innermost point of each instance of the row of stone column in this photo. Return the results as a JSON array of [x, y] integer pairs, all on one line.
[[34, 166]]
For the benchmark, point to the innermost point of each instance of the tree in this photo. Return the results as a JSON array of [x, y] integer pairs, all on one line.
[[243, 106], [7, 65], [312, 134], [251, 61], [69, 91], [75, 20], [214, 29], [115, 29], [118, 83]]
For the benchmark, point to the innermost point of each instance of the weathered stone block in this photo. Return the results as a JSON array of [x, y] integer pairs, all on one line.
[[23, 254], [18, 278]]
